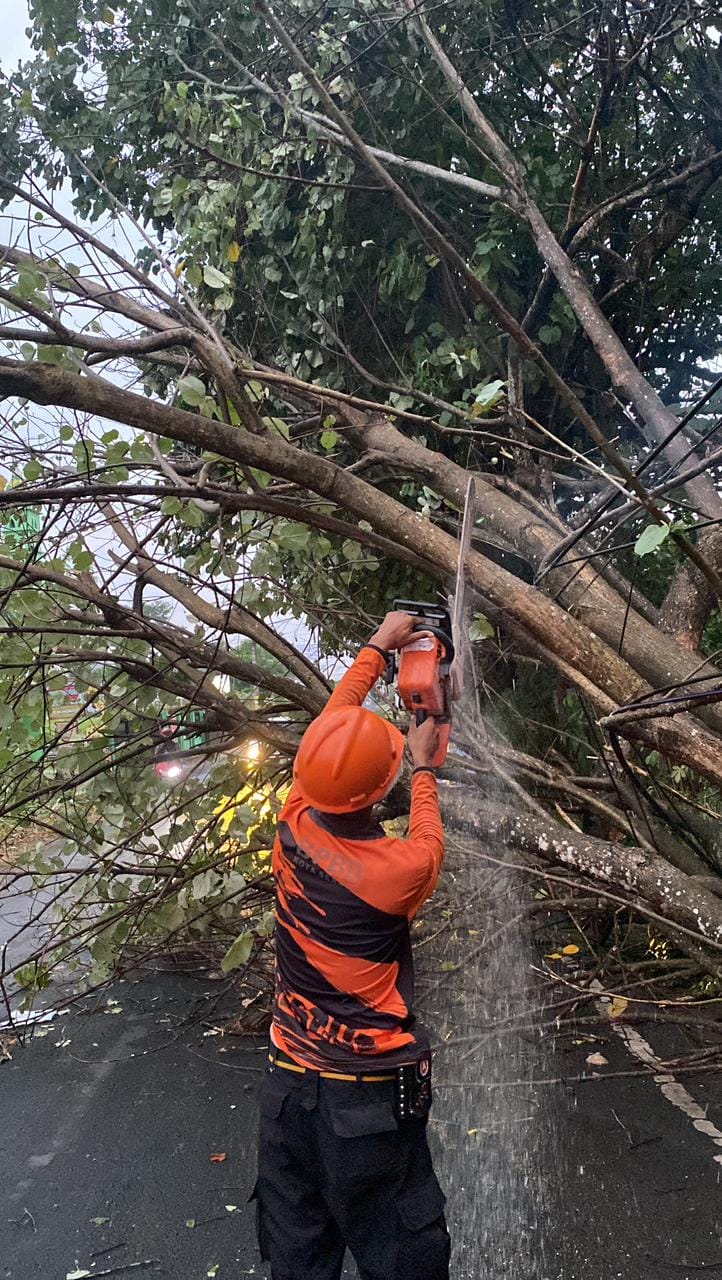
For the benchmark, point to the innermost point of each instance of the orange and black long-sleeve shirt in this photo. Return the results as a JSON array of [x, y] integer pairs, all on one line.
[[346, 894]]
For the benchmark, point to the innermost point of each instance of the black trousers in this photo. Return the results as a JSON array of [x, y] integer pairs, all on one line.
[[337, 1170]]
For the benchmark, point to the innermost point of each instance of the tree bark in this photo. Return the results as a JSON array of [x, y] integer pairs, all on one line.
[[690, 600], [646, 880]]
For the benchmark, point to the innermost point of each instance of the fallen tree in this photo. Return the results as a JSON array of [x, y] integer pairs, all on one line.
[[213, 481]]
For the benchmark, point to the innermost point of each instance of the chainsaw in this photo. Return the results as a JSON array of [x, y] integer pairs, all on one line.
[[429, 671]]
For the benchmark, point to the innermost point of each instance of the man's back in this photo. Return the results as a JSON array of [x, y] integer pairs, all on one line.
[[346, 894]]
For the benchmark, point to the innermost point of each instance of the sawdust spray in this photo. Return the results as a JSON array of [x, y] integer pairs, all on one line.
[[490, 1132]]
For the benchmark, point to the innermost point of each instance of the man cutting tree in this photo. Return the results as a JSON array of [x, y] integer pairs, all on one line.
[[343, 1155]]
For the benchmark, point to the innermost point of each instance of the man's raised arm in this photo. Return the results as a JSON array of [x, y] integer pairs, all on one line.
[[425, 842], [395, 631]]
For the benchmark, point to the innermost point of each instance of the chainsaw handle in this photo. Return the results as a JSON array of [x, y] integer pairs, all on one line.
[[440, 634], [444, 728]]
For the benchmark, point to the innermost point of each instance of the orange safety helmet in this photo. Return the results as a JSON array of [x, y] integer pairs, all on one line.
[[347, 760]]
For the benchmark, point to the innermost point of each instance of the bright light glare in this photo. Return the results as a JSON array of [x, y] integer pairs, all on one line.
[[253, 750]]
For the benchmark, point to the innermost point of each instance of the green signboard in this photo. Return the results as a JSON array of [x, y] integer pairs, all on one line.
[[21, 528]]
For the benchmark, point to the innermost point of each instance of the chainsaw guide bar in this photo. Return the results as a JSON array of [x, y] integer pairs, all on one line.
[[457, 617]]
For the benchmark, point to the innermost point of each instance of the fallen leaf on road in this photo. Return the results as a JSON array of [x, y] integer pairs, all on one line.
[[77, 1275], [99, 1222], [617, 1006], [213, 1271], [6, 1043], [190, 1222], [597, 1060], [231, 1207], [218, 1157]]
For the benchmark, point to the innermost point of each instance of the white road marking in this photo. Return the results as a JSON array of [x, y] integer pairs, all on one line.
[[666, 1082]]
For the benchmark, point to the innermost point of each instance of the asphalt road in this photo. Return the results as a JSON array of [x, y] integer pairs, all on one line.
[[110, 1122]]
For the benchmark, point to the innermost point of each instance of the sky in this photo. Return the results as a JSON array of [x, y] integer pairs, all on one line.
[[13, 21]]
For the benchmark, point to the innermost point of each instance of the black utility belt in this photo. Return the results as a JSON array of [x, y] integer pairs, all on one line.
[[412, 1082]]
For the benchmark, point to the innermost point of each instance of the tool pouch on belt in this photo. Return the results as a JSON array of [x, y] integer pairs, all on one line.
[[413, 1090]]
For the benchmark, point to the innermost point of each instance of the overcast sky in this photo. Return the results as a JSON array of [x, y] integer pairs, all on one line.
[[13, 21]]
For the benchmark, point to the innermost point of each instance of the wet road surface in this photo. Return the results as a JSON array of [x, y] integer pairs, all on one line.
[[109, 1123]]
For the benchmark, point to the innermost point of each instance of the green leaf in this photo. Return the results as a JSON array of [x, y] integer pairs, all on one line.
[[209, 407], [238, 953], [191, 515], [268, 924], [204, 884], [32, 470], [329, 439], [651, 538], [191, 390], [278, 424], [215, 279], [116, 453], [141, 452], [481, 628], [100, 1222], [488, 396], [549, 333]]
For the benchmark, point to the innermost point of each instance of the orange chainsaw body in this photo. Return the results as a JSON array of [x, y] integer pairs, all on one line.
[[419, 681], [423, 671]]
